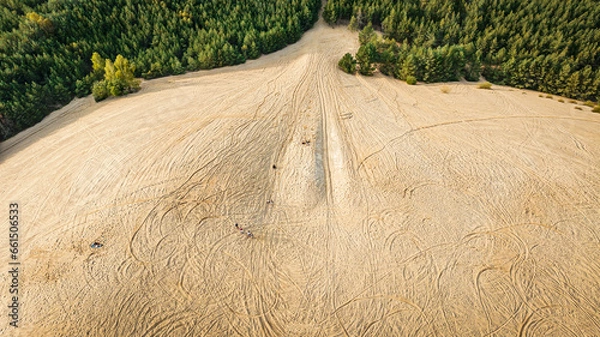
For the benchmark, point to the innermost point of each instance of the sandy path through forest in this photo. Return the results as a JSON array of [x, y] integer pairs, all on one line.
[[397, 210]]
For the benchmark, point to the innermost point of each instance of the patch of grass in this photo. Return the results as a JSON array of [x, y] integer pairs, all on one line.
[[596, 108], [573, 101], [485, 85], [549, 96], [578, 108], [589, 103], [540, 95], [445, 89], [411, 80], [561, 100]]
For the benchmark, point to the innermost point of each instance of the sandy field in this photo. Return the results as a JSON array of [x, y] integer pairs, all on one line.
[[392, 210]]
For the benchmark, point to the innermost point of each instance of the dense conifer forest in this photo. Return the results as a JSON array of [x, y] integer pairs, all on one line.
[[547, 45], [46, 47]]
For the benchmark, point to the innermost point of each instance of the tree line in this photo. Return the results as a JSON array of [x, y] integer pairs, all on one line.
[[547, 45], [46, 47], [407, 62]]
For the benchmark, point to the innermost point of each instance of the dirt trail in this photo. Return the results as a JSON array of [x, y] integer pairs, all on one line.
[[378, 208]]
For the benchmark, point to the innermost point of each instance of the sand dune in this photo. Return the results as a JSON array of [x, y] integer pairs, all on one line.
[[396, 210]]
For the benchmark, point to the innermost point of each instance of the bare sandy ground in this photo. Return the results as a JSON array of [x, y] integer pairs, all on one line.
[[409, 212]]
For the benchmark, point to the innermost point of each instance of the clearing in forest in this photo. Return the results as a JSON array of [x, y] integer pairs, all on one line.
[[392, 210]]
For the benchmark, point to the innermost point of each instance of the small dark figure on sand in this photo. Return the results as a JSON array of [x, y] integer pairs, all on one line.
[[96, 244]]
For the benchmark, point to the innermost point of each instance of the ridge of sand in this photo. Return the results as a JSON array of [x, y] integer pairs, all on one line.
[[408, 213]]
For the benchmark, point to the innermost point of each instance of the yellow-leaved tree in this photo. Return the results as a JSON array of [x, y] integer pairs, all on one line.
[[118, 77]]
